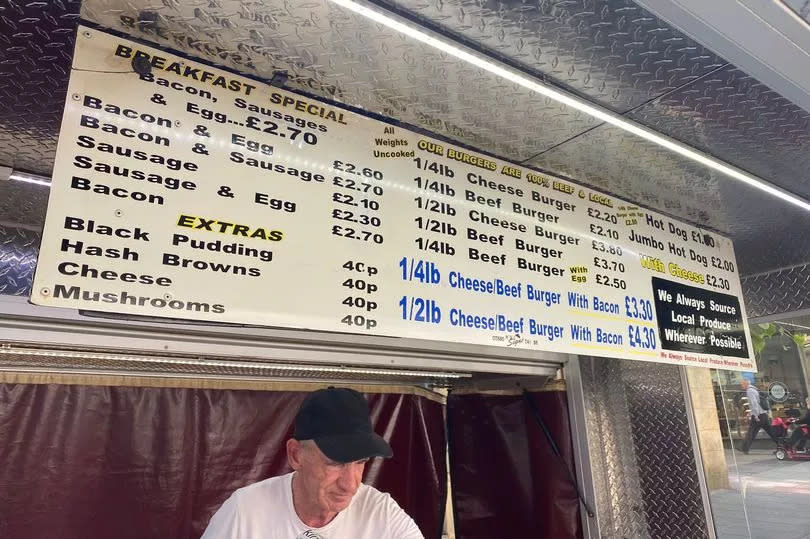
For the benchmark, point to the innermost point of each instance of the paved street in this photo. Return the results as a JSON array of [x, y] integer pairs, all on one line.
[[776, 494]]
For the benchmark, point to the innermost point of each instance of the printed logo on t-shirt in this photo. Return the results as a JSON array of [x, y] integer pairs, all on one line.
[[309, 534]]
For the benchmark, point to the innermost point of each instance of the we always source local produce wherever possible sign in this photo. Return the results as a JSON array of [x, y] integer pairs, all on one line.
[[191, 192]]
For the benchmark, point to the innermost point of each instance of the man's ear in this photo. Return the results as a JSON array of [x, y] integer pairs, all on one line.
[[295, 450]]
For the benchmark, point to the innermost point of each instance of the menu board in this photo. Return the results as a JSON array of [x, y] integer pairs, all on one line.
[[182, 190]]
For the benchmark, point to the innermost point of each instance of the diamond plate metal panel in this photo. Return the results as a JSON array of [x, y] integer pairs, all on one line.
[[729, 115], [612, 51], [775, 292], [673, 505], [618, 54], [36, 46], [341, 56], [644, 466], [763, 228], [637, 170], [19, 249], [612, 454], [23, 204], [22, 214]]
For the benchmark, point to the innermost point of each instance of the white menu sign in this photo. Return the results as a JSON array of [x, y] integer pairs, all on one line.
[[190, 192]]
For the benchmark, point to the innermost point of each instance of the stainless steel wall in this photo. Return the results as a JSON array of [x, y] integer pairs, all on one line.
[[22, 212], [642, 459], [785, 290]]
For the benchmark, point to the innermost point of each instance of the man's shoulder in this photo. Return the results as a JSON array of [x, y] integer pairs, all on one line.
[[270, 487], [380, 508], [246, 510], [371, 492], [369, 498]]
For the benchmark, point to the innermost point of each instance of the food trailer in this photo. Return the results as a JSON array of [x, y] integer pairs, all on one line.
[[498, 221]]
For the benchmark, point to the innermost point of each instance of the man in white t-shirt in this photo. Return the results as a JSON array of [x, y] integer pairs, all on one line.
[[323, 498]]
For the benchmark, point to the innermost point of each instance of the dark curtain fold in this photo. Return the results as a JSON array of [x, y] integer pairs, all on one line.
[[506, 480], [90, 462]]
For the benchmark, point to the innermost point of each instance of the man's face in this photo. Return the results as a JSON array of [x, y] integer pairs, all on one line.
[[327, 484], [744, 383]]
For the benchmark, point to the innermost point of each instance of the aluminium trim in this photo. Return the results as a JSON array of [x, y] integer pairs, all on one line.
[[696, 449], [766, 39], [579, 437], [22, 323], [193, 376], [777, 317]]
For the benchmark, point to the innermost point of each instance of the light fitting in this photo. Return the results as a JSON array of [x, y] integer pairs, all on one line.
[[29, 178], [501, 70]]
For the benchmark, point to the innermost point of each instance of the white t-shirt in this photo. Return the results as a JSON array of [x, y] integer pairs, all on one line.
[[264, 510]]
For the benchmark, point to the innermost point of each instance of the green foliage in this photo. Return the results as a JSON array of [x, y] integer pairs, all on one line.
[[761, 333]]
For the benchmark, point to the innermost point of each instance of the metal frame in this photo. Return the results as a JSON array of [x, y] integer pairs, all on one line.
[[776, 317], [704, 489], [579, 438], [766, 39], [223, 377], [21, 322], [582, 458]]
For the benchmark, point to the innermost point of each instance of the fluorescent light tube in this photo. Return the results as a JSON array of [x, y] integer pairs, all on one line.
[[29, 178], [574, 102]]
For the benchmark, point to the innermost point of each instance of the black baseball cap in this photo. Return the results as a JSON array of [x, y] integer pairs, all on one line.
[[337, 420]]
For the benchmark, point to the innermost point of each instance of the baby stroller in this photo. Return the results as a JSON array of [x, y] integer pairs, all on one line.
[[789, 448]]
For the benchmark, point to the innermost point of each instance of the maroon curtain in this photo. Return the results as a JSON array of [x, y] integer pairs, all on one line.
[[506, 480], [90, 462]]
